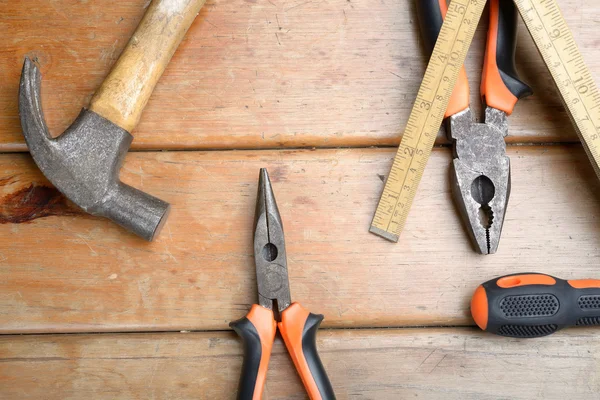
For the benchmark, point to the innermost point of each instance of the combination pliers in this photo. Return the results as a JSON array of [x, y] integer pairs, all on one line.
[[480, 170]]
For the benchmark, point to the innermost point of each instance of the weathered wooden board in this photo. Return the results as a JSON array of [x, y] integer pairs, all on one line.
[[73, 273], [263, 74], [450, 363]]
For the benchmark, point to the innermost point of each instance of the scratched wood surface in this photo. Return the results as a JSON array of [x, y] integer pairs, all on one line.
[[263, 74], [266, 74], [73, 273], [450, 363]]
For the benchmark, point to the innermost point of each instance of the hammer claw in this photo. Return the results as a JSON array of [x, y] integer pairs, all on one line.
[[30, 105], [83, 162]]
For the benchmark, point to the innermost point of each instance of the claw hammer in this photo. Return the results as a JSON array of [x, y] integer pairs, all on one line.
[[84, 162]]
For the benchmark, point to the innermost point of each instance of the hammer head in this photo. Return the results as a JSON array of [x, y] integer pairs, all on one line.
[[84, 162]]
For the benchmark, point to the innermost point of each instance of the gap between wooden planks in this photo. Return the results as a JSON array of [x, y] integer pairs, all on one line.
[[265, 74], [68, 272], [449, 363]]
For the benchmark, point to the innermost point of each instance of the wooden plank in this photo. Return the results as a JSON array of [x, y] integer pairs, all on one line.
[[260, 74], [73, 273], [451, 363]]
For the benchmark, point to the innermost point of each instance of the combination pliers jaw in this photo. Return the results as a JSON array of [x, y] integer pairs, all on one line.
[[480, 175]]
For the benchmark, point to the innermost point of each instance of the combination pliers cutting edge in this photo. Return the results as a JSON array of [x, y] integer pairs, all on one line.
[[480, 171], [298, 327]]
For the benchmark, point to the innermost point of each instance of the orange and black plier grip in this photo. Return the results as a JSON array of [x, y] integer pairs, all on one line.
[[257, 330], [298, 327], [501, 87]]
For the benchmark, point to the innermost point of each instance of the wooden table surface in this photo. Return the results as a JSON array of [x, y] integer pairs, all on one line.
[[317, 92]]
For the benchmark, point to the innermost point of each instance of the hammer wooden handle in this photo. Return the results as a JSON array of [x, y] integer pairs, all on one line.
[[124, 93]]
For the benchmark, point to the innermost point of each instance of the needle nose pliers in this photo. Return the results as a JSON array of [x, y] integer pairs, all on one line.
[[480, 171], [298, 327]]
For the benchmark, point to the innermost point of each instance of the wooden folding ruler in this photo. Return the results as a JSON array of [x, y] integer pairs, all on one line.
[[555, 42]]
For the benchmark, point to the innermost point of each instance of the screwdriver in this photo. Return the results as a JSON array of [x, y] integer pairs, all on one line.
[[533, 305]]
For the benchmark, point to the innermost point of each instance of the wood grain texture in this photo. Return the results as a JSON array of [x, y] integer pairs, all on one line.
[[75, 273], [125, 92], [451, 363], [260, 74], [264, 74]]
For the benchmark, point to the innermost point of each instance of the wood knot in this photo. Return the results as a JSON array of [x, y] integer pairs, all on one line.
[[32, 202]]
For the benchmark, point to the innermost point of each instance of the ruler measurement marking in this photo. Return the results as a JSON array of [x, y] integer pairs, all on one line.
[[423, 124], [573, 79]]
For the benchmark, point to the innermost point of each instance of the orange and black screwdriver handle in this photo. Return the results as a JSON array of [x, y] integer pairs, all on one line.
[[298, 327], [532, 305], [501, 87]]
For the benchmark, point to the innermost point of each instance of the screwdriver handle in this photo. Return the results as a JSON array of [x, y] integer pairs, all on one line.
[[431, 14], [533, 305], [298, 328]]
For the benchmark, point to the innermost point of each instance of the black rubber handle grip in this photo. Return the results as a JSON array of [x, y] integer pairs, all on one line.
[[309, 347], [257, 330], [533, 305], [506, 47], [298, 328], [431, 18]]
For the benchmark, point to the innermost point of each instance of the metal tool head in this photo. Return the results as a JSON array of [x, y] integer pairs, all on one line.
[[84, 162], [480, 175], [269, 249]]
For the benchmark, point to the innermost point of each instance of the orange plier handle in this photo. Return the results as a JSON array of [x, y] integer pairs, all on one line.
[[298, 328], [501, 87]]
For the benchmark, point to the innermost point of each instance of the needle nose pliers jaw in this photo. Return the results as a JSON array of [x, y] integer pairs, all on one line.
[[480, 170], [297, 326]]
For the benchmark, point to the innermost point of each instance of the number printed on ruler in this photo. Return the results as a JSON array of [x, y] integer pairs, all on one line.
[[426, 117], [573, 79]]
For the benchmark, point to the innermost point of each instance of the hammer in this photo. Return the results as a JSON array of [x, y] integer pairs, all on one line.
[[84, 161]]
